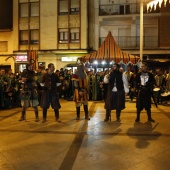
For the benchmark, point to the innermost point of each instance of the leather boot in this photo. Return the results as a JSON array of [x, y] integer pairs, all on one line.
[[86, 112], [118, 115], [57, 115], [107, 115], [22, 116], [44, 115], [78, 113], [149, 116], [138, 116], [36, 116]]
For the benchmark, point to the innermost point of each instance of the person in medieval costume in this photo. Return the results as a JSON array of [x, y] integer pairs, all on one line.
[[28, 92], [80, 91], [50, 96], [145, 82], [117, 88]]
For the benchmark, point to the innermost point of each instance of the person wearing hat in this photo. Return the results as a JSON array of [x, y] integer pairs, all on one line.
[[28, 92], [117, 88]]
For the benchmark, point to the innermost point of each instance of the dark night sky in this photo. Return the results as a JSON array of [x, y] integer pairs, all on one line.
[[6, 14]]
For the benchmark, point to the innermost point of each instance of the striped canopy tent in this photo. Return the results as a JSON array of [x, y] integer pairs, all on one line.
[[109, 51]]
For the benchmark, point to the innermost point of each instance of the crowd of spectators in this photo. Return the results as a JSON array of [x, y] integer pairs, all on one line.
[[10, 85]]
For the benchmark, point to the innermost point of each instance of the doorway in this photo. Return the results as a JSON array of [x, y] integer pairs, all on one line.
[[19, 67]]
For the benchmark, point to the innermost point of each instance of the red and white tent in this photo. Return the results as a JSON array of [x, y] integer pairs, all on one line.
[[110, 51]]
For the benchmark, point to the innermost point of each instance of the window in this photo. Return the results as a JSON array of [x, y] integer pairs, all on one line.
[[63, 35], [124, 9], [74, 35], [28, 23], [34, 9], [75, 9], [34, 36], [68, 6], [63, 7], [24, 10], [23, 40], [127, 9]]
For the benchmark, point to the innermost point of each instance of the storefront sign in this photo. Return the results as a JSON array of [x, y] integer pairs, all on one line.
[[21, 58], [69, 58]]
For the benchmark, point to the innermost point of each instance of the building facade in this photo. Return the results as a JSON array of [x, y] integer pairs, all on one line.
[[122, 19], [60, 31], [55, 29]]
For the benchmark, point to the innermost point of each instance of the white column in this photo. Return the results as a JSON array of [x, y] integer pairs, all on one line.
[[97, 26], [141, 30]]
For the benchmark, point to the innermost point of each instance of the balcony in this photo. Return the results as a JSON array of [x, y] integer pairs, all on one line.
[[121, 9], [133, 42]]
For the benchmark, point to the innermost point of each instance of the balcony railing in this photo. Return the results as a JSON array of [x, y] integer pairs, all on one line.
[[133, 42], [121, 9]]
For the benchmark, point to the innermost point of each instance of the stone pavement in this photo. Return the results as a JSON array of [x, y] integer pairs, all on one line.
[[85, 145]]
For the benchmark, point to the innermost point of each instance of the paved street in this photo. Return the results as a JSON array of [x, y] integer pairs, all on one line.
[[85, 145]]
